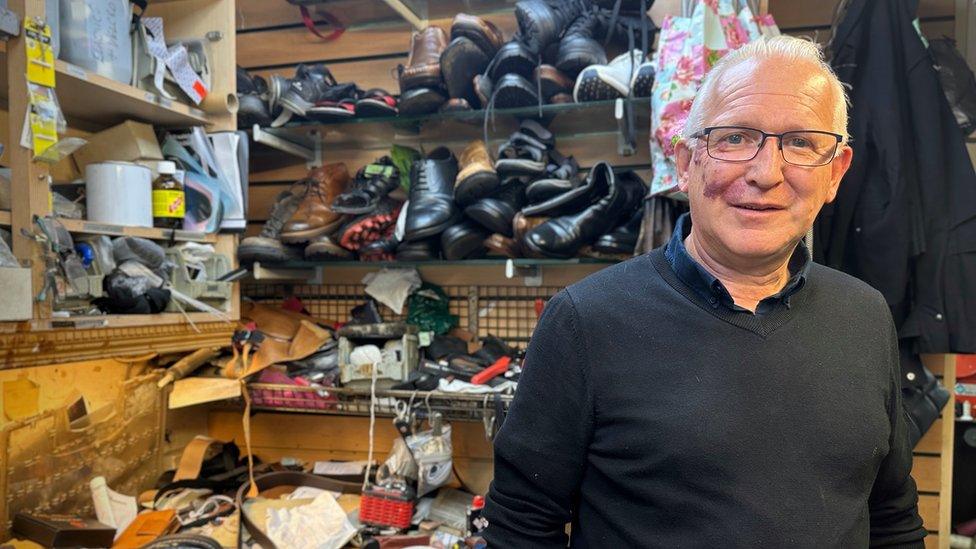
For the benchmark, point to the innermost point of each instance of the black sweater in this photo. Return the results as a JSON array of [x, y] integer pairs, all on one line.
[[648, 418]]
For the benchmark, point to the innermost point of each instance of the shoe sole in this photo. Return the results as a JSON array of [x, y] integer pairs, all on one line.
[[424, 76], [368, 229], [518, 166], [459, 67], [527, 243], [513, 97], [574, 58], [642, 84], [594, 86], [430, 231], [294, 103], [251, 254], [300, 237], [317, 252], [491, 217], [474, 187], [613, 246], [329, 114], [374, 108], [421, 101]]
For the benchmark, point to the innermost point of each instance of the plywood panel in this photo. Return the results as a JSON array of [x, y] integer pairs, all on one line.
[[932, 541], [927, 472], [295, 45], [928, 508], [931, 443]]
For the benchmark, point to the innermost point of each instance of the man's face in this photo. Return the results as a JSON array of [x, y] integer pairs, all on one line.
[[760, 208]]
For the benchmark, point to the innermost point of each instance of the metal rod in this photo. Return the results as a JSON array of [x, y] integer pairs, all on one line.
[[405, 12]]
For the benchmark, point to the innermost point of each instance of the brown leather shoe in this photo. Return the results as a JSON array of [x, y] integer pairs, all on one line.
[[483, 33], [424, 64], [314, 217], [521, 225], [477, 178], [561, 98], [552, 81]]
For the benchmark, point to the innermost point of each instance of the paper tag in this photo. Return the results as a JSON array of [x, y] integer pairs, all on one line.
[[43, 119], [178, 61], [424, 338], [40, 55]]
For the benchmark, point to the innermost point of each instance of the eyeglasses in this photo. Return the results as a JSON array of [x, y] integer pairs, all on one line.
[[809, 148]]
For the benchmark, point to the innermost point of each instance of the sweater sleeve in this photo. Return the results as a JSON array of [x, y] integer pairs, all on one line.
[[541, 448], [893, 502]]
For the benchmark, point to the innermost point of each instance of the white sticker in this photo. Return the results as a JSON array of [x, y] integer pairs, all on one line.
[[151, 97], [165, 102], [76, 71]]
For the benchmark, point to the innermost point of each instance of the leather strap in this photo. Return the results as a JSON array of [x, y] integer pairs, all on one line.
[[279, 479], [337, 26], [191, 462]]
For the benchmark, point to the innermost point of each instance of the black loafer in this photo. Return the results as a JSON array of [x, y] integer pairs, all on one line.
[[464, 240], [496, 213], [514, 58], [421, 101]]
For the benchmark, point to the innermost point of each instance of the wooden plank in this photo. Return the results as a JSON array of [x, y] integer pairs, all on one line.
[[928, 508], [790, 14], [932, 541], [927, 472], [258, 14], [372, 73], [127, 321], [94, 227], [5, 218], [296, 45], [931, 443], [948, 448]]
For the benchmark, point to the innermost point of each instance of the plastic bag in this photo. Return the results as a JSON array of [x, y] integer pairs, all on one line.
[[433, 454], [958, 81], [7, 258]]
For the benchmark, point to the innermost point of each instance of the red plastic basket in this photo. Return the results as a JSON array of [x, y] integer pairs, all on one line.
[[386, 507]]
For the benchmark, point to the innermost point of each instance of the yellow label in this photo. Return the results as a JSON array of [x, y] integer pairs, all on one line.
[[40, 55], [169, 203], [44, 132]]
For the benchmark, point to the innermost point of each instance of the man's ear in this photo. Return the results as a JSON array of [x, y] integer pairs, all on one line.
[[682, 160], [838, 167]]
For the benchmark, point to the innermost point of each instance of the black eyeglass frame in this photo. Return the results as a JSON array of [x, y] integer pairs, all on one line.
[[762, 142]]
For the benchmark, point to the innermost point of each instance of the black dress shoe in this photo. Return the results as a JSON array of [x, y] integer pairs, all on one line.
[[418, 250], [513, 91], [623, 239], [460, 62], [578, 48], [463, 241], [496, 213], [513, 58], [541, 22], [431, 208], [562, 237], [421, 101], [580, 192]]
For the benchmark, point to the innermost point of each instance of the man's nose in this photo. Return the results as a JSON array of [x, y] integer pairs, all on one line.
[[766, 169]]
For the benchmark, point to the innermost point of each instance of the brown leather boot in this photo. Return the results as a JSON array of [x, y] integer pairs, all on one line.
[[424, 64], [521, 225], [480, 31], [477, 178], [314, 217]]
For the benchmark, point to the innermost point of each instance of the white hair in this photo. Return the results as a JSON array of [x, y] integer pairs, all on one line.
[[794, 50]]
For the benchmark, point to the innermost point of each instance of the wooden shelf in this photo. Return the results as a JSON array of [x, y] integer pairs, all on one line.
[[5, 218], [92, 97], [123, 321], [94, 227]]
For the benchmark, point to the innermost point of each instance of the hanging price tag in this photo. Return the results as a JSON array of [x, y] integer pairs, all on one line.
[[40, 55]]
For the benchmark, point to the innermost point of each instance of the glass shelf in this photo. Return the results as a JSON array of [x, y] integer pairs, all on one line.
[[488, 262], [356, 13], [564, 120]]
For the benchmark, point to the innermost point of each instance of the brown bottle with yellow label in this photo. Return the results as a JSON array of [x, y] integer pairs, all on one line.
[[168, 198]]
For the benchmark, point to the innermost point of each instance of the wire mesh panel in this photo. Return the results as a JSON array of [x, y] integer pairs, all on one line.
[[507, 312]]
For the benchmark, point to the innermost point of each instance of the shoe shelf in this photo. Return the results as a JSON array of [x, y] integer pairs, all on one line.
[[501, 271], [126, 321], [349, 401], [81, 226], [307, 140]]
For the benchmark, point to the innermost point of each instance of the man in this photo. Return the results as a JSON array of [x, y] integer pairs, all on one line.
[[722, 391]]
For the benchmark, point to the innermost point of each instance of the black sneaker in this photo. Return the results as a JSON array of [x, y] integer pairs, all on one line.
[[310, 85], [373, 182]]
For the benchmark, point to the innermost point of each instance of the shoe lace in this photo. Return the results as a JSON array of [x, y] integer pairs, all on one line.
[[281, 211], [421, 184]]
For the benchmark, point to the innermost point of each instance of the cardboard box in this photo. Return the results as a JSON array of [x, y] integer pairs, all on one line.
[[129, 141], [16, 299]]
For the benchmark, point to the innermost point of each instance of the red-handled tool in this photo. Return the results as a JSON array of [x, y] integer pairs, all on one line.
[[499, 367]]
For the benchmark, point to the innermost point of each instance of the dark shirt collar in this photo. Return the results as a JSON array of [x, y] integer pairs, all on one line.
[[712, 290]]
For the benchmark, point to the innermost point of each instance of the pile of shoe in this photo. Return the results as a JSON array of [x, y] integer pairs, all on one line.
[[331, 215], [312, 94], [441, 69]]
